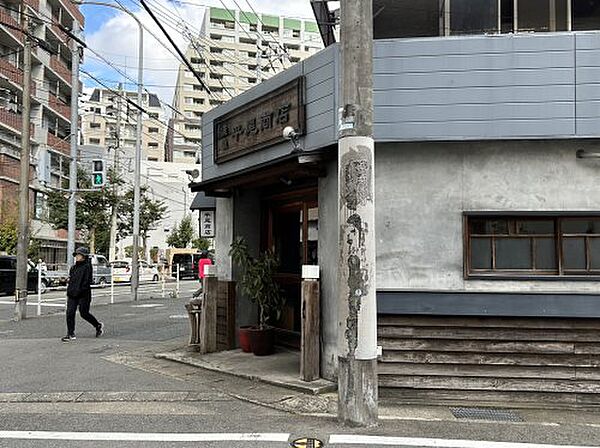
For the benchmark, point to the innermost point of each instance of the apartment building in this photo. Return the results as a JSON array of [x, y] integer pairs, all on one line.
[[234, 51], [50, 108], [99, 115]]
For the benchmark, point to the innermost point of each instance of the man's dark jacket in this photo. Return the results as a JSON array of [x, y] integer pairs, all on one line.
[[80, 280]]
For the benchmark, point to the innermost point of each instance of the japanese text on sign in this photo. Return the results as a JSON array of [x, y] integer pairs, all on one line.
[[261, 123]]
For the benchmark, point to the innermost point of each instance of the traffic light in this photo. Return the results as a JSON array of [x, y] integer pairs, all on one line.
[[98, 173]]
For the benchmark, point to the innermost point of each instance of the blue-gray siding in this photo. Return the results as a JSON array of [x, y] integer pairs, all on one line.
[[524, 86], [320, 73]]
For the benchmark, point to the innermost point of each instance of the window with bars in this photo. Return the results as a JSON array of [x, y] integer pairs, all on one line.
[[532, 246]]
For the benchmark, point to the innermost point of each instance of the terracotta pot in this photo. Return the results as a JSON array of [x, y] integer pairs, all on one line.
[[244, 334], [262, 341]]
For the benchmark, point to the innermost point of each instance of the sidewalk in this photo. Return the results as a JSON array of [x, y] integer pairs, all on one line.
[[276, 385]]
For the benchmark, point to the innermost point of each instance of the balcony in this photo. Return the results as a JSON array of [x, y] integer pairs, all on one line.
[[73, 10], [59, 107], [9, 21], [13, 121], [14, 74], [61, 69], [34, 4], [58, 143]]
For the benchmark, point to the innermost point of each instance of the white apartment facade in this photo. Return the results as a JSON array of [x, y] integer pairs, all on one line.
[[99, 116], [235, 51]]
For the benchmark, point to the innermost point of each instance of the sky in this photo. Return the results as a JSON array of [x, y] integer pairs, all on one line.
[[113, 35]]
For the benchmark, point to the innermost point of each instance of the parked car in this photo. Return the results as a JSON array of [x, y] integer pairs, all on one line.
[[122, 271], [188, 265], [8, 275], [101, 270]]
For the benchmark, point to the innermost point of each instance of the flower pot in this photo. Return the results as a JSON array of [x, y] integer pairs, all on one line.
[[244, 334], [262, 341]]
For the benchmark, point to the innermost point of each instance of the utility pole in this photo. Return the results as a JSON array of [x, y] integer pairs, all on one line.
[[357, 373], [112, 250], [135, 264], [20, 311], [71, 226]]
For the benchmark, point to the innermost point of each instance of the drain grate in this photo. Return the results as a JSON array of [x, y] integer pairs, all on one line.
[[492, 414]]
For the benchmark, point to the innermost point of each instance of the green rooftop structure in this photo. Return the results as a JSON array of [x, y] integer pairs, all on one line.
[[222, 14]]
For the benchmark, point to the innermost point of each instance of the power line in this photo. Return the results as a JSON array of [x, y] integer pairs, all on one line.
[[162, 28]]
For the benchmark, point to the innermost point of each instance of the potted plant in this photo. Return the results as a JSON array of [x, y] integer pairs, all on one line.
[[258, 284]]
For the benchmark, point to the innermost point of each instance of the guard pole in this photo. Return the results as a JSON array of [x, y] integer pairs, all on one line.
[[162, 283], [177, 282], [208, 316], [357, 306], [112, 284], [39, 289]]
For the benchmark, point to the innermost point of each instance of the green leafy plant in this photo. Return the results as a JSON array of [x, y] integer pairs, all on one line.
[[257, 280]]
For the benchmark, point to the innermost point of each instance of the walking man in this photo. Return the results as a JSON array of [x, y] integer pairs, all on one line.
[[79, 294]]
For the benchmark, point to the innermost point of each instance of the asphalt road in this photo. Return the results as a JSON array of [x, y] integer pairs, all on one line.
[[111, 392], [54, 300]]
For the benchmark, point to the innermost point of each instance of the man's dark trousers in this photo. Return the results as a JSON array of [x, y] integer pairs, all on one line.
[[84, 311]]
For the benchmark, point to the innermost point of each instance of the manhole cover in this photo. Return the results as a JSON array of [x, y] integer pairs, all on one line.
[[499, 415], [307, 442]]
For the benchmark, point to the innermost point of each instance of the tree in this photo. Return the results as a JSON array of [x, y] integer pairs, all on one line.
[[8, 237], [183, 233], [201, 244], [151, 213], [93, 217]]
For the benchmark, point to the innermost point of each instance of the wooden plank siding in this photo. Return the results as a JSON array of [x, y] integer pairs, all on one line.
[[226, 316], [502, 359]]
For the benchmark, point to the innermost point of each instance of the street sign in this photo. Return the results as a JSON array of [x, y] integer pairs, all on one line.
[[207, 223], [98, 173]]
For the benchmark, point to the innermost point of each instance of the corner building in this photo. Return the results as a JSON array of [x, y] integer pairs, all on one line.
[[487, 197]]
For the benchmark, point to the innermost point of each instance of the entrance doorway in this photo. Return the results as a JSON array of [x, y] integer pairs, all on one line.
[[293, 227]]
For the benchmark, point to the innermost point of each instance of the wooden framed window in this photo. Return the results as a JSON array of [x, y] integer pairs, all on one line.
[[522, 246]]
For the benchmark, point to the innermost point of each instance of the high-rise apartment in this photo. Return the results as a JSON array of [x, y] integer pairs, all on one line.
[[106, 108], [234, 51], [50, 108]]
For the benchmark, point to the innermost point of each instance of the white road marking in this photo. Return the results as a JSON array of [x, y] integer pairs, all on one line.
[[147, 305], [34, 303], [435, 443], [143, 437]]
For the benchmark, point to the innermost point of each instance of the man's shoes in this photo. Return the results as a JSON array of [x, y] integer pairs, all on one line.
[[68, 338], [99, 329]]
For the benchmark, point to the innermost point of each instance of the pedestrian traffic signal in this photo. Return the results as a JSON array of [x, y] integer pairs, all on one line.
[[98, 174]]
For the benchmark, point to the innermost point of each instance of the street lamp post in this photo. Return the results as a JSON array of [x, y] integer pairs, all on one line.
[[138, 147]]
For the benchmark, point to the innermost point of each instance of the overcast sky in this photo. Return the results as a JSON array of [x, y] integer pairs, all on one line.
[[114, 35]]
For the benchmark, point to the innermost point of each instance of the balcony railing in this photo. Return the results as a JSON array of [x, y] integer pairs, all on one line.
[[61, 69], [58, 143], [59, 106], [73, 10], [13, 120], [10, 22], [14, 74], [35, 4]]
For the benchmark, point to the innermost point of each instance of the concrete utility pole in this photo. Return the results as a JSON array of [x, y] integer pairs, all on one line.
[[135, 263], [20, 311], [112, 250], [357, 377], [71, 226]]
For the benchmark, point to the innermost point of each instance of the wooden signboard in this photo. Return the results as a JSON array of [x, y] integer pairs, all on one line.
[[260, 124]]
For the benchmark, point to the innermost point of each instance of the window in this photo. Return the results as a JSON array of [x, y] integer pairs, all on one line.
[[153, 115], [469, 17], [189, 74], [152, 145], [153, 130], [40, 206], [95, 125], [94, 141], [527, 246], [586, 15], [188, 87], [541, 15]]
